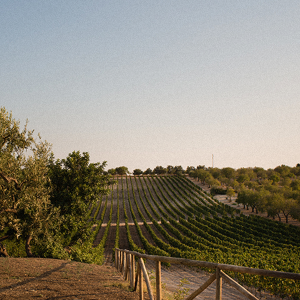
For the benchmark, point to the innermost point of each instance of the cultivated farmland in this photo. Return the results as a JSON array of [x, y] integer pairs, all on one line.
[[171, 216]]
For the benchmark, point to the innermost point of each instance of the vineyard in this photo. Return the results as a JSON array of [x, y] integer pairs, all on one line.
[[171, 216]]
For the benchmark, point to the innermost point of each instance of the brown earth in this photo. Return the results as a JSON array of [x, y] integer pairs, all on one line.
[[39, 278]]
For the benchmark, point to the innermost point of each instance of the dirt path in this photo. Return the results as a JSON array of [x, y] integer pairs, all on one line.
[[194, 277]]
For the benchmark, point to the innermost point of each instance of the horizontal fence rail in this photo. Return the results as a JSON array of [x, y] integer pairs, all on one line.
[[125, 263]]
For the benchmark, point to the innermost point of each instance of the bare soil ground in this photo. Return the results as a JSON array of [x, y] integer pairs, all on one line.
[[39, 278]]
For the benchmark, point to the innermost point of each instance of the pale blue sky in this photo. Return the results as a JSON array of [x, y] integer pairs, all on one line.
[[147, 83]]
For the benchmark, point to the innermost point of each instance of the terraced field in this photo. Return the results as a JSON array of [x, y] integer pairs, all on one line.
[[171, 216]]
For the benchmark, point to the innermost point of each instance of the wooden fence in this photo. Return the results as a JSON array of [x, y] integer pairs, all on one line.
[[125, 263]]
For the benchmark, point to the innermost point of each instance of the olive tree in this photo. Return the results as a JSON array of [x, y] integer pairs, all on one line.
[[25, 202]]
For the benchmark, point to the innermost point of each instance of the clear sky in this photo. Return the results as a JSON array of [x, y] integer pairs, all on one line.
[[147, 83]]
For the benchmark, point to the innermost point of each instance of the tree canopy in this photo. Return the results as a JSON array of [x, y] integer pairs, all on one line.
[[75, 185], [25, 201], [122, 170], [137, 172]]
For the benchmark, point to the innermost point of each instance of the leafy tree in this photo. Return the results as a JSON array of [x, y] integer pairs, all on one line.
[[295, 185], [235, 185], [295, 213], [122, 170], [252, 184], [159, 170], [215, 172], [148, 171], [244, 197], [208, 179], [189, 169], [296, 170], [275, 177], [201, 167], [112, 171], [25, 207], [288, 207], [212, 182], [223, 180], [230, 193], [137, 172], [228, 172], [170, 169], [178, 170], [286, 181], [261, 173], [283, 170], [274, 204], [254, 200], [76, 185], [203, 175], [242, 178]]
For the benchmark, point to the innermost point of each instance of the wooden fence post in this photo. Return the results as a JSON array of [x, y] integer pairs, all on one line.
[[218, 285], [158, 280], [116, 259], [147, 280], [127, 268], [121, 261], [132, 271], [136, 277], [124, 264], [141, 286]]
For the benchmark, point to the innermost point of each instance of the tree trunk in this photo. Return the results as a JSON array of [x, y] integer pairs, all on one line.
[[279, 217], [28, 247], [3, 251]]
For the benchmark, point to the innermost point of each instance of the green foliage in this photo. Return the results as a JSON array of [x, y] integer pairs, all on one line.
[[85, 252], [159, 170], [122, 170], [25, 208], [76, 185], [15, 247], [218, 191], [112, 171], [148, 172], [228, 172], [137, 172], [51, 247]]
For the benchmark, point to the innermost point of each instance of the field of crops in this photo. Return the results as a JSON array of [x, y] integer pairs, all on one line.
[[171, 216]]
